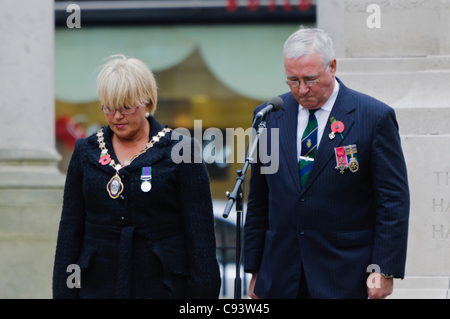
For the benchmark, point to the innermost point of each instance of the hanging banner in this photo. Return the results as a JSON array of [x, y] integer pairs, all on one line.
[[272, 5], [232, 5], [304, 5], [253, 5], [287, 5]]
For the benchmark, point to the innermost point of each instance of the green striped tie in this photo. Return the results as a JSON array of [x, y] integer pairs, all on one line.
[[309, 147]]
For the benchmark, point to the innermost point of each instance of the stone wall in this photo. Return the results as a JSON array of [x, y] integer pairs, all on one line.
[[406, 64]]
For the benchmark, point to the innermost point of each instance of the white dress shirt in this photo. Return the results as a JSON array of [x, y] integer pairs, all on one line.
[[322, 116]]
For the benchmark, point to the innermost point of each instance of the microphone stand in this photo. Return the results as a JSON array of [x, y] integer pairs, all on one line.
[[237, 196]]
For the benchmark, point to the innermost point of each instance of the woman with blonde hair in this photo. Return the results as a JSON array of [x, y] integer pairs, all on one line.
[[137, 224]]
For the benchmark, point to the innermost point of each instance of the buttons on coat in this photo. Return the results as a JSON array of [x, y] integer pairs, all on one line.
[[301, 231], [122, 221], [302, 199]]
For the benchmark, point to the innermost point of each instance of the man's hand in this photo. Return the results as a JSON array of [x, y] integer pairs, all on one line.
[[251, 287], [379, 287]]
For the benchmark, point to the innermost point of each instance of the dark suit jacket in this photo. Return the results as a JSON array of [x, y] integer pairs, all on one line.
[[159, 244], [336, 225]]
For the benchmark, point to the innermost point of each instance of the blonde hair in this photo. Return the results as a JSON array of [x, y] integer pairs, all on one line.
[[126, 82]]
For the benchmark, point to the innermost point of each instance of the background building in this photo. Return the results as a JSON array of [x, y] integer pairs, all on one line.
[[210, 63]]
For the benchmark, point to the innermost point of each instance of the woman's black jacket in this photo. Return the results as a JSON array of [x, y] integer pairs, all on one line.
[[159, 244]]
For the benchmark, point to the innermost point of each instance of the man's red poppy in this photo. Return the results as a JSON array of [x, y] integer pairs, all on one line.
[[337, 127]]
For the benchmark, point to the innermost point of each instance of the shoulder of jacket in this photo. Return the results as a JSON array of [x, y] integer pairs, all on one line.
[[81, 143]]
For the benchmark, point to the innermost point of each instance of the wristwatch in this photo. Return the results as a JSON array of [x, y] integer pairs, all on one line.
[[387, 276]]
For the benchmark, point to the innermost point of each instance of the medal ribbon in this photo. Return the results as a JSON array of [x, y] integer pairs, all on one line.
[[146, 177], [146, 173]]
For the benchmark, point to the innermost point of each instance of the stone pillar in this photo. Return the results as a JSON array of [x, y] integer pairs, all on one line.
[[406, 64], [31, 187], [331, 17]]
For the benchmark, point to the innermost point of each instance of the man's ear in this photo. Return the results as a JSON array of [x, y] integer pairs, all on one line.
[[332, 66]]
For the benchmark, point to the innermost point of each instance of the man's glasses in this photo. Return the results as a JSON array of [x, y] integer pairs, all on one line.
[[123, 110], [294, 84]]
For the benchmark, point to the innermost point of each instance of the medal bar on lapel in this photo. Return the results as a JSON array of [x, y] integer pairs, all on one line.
[[346, 158], [341, 159], [146, 177], [351, 150]]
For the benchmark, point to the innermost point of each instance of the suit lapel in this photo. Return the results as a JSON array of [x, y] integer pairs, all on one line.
[[287, 123], [341, 112]]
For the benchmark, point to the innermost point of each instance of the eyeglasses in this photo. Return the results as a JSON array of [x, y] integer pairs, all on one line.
[[123, 110], [294, 84]]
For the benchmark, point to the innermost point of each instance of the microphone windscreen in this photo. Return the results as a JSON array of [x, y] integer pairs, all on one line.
[[277, 103]]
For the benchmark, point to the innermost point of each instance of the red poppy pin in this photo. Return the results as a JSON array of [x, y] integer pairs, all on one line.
[[336, 127], [105, 160]]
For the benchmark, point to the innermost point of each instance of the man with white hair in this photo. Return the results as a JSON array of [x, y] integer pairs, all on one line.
[[332, 222]]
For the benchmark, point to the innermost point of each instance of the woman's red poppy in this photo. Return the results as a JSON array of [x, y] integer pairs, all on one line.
[[105, 159]]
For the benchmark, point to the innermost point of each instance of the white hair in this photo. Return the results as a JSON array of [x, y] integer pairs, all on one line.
[[307, 41]]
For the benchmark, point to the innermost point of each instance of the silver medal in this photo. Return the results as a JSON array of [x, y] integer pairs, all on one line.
[[146, 186], [331, 136]]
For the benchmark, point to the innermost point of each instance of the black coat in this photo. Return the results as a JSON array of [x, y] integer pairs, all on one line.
[[159, 244]]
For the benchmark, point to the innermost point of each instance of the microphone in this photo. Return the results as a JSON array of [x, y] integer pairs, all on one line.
[[275, 104]]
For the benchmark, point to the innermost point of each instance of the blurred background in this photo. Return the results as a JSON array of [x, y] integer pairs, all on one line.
[[211, 61]]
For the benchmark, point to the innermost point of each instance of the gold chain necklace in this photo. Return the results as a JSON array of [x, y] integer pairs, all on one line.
[[115, 185]]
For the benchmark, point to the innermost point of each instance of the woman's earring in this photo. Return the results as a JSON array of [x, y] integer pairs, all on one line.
[[147, 114]]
